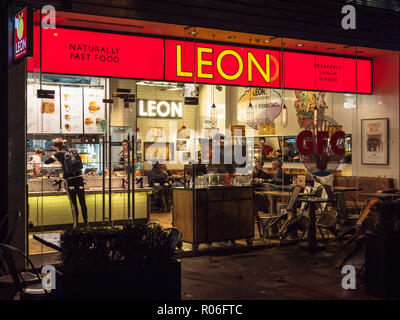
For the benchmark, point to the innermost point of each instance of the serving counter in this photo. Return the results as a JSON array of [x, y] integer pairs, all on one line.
[[211, 214], [50, 209]]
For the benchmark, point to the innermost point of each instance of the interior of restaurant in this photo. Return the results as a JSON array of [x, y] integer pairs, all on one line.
[[161, 124]]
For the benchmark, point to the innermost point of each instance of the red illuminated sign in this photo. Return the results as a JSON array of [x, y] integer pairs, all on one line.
[[213, 63], [112, 55], [22, 30], [78, 52]]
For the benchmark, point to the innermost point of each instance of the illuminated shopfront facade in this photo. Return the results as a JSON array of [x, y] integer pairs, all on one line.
[[286, 80]]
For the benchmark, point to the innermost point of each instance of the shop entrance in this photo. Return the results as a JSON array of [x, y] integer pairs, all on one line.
[[93, 118]]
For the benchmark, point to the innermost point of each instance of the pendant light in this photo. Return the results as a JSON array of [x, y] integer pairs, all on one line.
[[284, 108], [250, 108], [213, 107], [284, 116], [250, 113], [315, 115]]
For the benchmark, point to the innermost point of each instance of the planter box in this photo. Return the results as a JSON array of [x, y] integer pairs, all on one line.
[[153, 282], [382, 265]]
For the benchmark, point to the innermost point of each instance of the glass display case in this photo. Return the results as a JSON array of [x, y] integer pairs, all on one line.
[[205, 176], [88, 147]]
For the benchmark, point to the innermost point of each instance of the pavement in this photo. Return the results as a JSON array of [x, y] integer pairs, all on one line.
[[267, 274], [260, 273]]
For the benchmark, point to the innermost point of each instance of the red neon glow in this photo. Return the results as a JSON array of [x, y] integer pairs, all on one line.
[[78, 52], [98, 54], [326, 73]]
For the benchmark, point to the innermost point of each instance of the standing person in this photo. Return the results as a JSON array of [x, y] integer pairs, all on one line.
[[123, 156], [73, 180], [35, 161]]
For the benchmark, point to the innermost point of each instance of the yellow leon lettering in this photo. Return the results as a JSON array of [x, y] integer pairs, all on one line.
[[265, 74], [239, 60], [179, 72], [201, 63]]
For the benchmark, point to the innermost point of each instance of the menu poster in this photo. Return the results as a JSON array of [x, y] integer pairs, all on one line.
[[71, 110], [32, 109], [375, 141], [94, 109], [49, 121]]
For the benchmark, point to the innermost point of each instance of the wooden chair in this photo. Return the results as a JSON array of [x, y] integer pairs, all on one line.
[[358, 231]]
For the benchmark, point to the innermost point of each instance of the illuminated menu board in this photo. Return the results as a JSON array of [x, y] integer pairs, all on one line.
[[74, 110], [71, 110], [49, 120]]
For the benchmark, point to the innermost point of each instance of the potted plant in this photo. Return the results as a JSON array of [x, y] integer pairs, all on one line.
[[133, 262]]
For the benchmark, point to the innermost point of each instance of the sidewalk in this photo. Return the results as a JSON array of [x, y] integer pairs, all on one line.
[[269, 274]]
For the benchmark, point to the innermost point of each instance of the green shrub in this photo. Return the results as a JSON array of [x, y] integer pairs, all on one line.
[[104, 249]]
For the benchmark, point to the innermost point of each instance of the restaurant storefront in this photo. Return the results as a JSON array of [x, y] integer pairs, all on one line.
[[126, 97]]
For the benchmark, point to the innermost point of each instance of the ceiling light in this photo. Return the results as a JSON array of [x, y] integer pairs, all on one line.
[[330, 48], [193, 33], [300, 44], [267, 41], [231, 37]]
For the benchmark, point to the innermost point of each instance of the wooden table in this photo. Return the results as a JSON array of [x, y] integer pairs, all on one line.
[[311, 232], [278, 193], [345, 189], [382, 196]]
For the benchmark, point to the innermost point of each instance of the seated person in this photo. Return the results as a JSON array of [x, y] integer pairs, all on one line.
[[157, 175], [280, 177], [163, 167], [160, 193], [322, 177], [258, 176]]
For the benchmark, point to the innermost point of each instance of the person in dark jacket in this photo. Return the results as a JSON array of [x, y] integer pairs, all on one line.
[[258, 176], [73, 183], [157, 175], [280, 178]]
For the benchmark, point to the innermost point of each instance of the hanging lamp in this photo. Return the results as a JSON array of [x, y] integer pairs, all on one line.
[[213, 106], [250, 108]]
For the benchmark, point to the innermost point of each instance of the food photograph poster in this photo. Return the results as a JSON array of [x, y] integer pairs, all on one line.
[[374, 141], [94, 110]]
